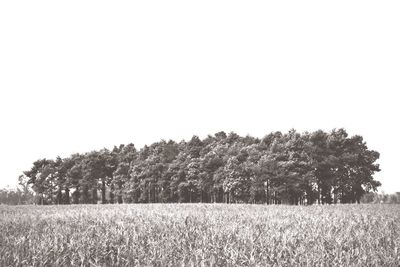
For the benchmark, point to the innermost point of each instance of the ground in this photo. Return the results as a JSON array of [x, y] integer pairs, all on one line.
[[200, 235]]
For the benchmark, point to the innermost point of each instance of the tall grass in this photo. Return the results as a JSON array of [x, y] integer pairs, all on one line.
[[200, 235]]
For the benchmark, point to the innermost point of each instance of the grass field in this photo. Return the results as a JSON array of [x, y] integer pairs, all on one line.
[[200, 235]]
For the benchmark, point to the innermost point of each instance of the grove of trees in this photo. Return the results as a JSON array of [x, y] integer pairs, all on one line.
[[381, 198], [16, 197], [290, 168]]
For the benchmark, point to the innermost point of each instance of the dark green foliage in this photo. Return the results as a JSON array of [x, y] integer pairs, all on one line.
[[289, 168]]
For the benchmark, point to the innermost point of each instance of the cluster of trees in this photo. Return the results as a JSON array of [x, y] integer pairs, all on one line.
[[290, 168], [382, 198], [17, 196]]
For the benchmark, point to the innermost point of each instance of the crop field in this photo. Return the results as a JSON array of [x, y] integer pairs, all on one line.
[[200, 235]]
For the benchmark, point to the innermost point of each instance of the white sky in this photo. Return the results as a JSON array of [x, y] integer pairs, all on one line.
[[82, 75]]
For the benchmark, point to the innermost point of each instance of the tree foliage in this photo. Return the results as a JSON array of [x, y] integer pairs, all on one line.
[[290, 168]]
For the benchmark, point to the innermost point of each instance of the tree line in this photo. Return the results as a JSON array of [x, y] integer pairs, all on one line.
[[280, 168], [381, 198], [16, 197]]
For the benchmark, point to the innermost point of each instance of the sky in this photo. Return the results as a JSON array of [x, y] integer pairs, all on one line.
[[77, 76]]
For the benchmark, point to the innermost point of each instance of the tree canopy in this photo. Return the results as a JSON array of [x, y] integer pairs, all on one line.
[[290, 168]]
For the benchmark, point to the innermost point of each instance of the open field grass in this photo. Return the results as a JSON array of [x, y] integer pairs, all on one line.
[[200, 235]]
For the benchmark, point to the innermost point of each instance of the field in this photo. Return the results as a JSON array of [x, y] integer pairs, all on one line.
[[200, 235]]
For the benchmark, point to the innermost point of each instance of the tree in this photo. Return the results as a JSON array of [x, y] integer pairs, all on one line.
[[74, 177]]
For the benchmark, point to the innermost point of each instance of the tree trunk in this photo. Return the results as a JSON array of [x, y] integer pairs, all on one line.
[[94, 196], [59, 196], [77, 195], [319, 195], [67, 201], [85, 196], [149, 194], [112, 193], [119, 197], [103, 192]]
